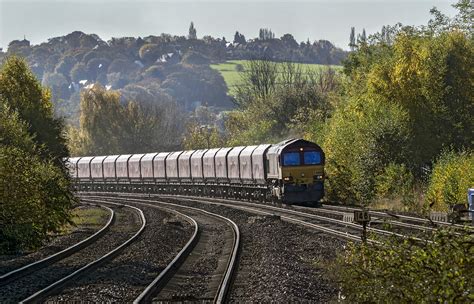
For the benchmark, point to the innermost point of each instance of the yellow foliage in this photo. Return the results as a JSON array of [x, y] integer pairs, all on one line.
[[452, 176]]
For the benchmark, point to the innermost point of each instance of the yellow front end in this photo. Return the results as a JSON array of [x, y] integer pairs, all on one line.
[[302, 175], [303, 184]]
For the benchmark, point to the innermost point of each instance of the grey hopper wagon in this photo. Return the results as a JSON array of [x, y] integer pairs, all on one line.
[[146, 167], [159, 166]]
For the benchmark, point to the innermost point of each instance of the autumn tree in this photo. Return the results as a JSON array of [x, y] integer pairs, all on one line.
[[408, 96], [22, 92], [108, 126], [35, 196]]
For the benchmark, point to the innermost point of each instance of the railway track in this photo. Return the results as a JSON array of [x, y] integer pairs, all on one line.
[[274, 251], [31, 284], [36, 265], [342, 214], [398, 219], [333, 216], [202, 271], [337, 228]]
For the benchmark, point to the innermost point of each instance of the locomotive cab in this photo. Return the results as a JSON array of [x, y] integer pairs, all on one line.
[[296, 168]]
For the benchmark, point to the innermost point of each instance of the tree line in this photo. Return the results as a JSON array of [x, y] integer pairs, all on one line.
[[177, 65]]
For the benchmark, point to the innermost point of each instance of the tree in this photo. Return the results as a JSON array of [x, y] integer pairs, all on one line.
[[65, 65], [35, 199], [361, 139], [108, 126], [352, 39], [277, 100], [192, 31], [58, 85], [363, 37], [265, 34], [257, 80], [202, 137], [79, 72], [22, 92], [239, 38], [289, 41]]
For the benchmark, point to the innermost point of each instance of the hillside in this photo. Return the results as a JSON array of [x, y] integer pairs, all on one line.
[[232, 70], [159, 69]]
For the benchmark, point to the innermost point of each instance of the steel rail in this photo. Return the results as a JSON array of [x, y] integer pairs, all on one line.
[[24, 270], [148, 293], [231, 263], [399, 216], [393, 223], [297, 213], [56, 286], [252, 209]]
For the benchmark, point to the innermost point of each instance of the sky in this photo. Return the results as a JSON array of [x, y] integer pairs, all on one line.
[[38, 20]]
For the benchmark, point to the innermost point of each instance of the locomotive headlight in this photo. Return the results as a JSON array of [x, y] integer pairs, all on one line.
[[318, 176]]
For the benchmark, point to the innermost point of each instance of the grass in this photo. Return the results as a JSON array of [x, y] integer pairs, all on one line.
[[89, 217], [232, 77]]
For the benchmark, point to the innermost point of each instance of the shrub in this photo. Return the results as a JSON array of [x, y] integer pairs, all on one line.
[[396, 182], [439, 270], [34, 197], [452, 176], [362, 138]]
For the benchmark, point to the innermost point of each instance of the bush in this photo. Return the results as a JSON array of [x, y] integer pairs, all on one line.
[[35, 199], [361, 139], [396, 182], [439, 270], [452, 176], [34, 196]]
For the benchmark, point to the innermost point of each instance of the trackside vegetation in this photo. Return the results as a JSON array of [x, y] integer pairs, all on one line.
[[453, 173], [439, 270], [403, 132], [403, 97], [35, 196]]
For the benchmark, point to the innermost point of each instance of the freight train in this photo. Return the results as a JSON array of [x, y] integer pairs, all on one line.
[[290, 172]]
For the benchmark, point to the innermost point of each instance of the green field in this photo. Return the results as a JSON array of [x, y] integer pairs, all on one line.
[[232, 76]]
